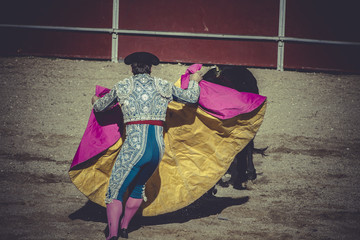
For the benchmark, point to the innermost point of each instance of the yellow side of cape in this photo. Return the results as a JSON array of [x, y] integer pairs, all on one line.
[[199, 149]]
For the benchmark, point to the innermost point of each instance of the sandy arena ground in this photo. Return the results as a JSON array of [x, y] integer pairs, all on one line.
[[308, 186]]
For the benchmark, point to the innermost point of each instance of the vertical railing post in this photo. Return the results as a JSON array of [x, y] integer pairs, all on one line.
[[281, 34], [115, 26]]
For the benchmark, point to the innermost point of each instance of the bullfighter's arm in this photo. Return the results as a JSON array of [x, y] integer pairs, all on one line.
[[106, 102], [192, 93]]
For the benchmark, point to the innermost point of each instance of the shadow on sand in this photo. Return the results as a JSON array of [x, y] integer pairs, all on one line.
[[203, 207]]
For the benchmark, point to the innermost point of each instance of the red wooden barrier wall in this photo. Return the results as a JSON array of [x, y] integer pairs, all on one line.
[[199, 16], [68, 13], [321, 19]]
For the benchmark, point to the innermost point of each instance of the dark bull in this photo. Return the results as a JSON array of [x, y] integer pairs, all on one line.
[[242, 80]]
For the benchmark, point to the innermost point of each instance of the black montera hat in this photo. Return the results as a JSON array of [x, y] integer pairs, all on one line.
[[142, 57]]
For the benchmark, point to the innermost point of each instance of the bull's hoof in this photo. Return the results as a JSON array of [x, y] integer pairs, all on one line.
[[250, 185], [212, 191], [251, 175], [224, 184], [239, 186]]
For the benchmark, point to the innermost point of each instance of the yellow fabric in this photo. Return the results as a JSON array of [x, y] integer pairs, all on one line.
[[92, 179], [199, 148]]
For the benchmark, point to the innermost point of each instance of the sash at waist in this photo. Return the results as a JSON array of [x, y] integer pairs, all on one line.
[[151, 122]]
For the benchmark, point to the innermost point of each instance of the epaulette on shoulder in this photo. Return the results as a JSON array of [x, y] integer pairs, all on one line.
[[125, 87]]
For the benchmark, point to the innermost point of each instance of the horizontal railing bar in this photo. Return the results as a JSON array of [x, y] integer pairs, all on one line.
[[304, 40], [81, 29], [184, 34], [195, 35]]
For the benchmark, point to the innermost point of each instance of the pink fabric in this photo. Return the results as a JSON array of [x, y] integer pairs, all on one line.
[[102, 132], [185, 78], [222, 102]]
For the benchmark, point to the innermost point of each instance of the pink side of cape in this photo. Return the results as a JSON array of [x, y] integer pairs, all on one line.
[[222, 102], [102, 132]]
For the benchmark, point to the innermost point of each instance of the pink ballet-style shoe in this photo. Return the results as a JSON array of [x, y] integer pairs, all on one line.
[[114, 238], [124, 233]]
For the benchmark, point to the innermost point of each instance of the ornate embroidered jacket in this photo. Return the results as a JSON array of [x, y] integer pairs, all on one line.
[[143, 97]]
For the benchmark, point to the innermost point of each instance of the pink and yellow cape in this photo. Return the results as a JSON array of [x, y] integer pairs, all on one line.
[[200, 144]]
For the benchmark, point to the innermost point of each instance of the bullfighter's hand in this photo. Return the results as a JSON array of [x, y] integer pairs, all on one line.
[[93, 99], [196, 77]]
